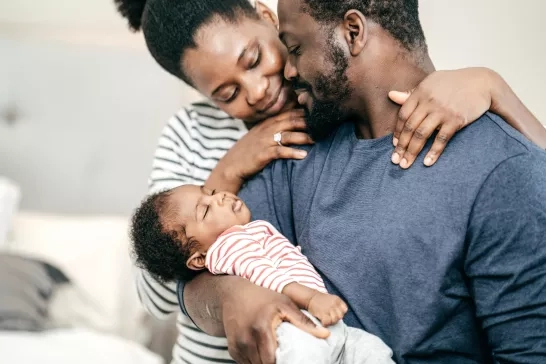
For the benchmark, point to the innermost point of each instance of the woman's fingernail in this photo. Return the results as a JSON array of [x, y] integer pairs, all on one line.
[[404, 163], [428, 161], [395, 158], [395, 141], [301, 153]]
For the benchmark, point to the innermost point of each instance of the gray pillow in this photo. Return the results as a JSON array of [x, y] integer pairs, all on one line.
[[26, 287]]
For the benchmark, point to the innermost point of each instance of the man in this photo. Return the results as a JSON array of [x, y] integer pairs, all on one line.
[[452, 273]]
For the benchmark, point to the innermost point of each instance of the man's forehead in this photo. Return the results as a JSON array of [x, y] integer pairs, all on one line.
[[293, 20], [288, 11]]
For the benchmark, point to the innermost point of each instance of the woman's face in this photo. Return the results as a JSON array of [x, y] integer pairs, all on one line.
[[240, 67]]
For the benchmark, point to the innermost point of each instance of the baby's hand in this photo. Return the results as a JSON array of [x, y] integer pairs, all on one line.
[[329, 309]]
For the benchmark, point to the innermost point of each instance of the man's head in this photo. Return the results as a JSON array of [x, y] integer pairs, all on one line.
[[339, 47], [173, 230]]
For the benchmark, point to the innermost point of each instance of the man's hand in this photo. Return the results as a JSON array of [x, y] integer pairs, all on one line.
[[328, 308], [251, 316]]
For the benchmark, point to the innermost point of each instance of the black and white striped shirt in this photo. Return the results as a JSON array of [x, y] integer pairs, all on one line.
[[189, 148]]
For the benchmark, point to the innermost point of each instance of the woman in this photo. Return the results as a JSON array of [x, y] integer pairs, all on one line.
[[230, 52]]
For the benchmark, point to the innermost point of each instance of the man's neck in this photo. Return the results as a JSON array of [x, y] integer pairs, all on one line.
[[376, 113]]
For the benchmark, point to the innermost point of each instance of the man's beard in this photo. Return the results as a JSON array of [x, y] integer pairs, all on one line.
[[326, 116]]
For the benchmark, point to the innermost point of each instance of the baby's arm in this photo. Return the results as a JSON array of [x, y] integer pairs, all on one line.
[[240, 254], [329, 309]]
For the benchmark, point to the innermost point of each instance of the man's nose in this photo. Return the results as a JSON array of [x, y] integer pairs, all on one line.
[[290, 70]]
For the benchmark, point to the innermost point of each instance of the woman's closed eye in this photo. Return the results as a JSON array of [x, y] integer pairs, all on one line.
[[230, 97], [257, 57]]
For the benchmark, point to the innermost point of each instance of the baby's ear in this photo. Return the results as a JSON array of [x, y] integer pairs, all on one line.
[[196, 261]]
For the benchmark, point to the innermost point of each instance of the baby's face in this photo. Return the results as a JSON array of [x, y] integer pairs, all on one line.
[[207, 214]]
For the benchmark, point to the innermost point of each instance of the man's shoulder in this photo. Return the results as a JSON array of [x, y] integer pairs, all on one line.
[[488, 142]]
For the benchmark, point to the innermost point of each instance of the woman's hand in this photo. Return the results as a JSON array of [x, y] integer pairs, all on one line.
[[258, 148], [446, 101]]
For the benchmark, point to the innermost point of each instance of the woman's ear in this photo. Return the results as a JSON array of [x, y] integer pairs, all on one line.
[[267, 14], [196, 261], [355, 31]]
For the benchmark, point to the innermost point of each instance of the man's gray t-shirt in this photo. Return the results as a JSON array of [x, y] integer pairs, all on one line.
[[446, 264]]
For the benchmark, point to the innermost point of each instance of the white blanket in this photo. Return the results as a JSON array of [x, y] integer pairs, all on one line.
[[71, 346]]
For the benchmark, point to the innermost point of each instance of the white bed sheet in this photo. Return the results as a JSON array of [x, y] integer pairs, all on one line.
[[69, 346]]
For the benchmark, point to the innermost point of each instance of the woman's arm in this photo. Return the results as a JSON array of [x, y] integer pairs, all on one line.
[[168, 171], [447, 101], [505, 103]]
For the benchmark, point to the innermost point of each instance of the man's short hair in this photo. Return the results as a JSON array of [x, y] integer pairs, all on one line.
[[399, 17]]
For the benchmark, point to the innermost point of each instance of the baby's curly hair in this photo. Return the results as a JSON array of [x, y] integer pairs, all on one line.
[[160, 244]]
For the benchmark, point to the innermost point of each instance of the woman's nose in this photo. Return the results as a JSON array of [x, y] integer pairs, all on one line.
[[257, 89]]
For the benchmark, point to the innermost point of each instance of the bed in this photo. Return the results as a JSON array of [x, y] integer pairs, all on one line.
[[67, 293]]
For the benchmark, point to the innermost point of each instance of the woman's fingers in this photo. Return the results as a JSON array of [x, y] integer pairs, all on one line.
[[290, 120], [282, 152], [295, 138], [442, 138], [410, 104], [410, 129], [419, 138]]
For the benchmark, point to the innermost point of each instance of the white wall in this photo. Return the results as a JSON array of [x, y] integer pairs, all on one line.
[[92, 101], [88, 122], [505, 35]]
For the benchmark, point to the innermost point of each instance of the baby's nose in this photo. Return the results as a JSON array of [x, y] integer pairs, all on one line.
[[221, 198]]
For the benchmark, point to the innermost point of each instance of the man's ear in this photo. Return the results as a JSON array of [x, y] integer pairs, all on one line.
[[267, 14], [355, 31], [196, 261]]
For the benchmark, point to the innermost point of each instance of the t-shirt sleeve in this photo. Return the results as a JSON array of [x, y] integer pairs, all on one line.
[[269, 197], [506, 259]]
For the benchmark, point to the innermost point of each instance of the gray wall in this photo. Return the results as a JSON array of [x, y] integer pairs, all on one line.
[[87, 124]]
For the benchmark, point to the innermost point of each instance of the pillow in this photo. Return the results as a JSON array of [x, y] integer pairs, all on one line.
[[9, 201], [27, 286], [93, 252]]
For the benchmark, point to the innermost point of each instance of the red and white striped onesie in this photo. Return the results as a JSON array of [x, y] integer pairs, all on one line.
[[259, 253]]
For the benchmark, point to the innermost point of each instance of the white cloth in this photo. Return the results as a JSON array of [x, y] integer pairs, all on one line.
[[10, 196]]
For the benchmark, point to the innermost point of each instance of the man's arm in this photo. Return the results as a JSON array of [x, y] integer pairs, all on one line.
[[506, 259], [505, 103], [245, 313]]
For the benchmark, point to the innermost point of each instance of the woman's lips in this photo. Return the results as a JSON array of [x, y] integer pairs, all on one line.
[[278, 104], [304, 99]]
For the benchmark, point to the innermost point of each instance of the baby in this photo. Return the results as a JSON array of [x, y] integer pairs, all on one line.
[[178, 233]]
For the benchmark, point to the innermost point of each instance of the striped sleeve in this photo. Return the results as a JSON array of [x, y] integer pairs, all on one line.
[[190, 145], [239, 253], [175, 158], [172, 167], [186, 153]]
